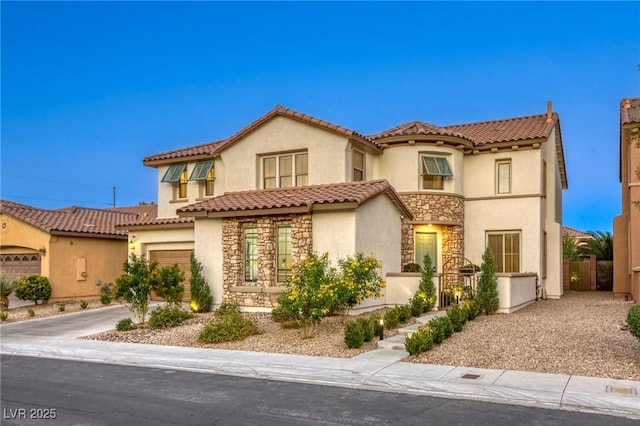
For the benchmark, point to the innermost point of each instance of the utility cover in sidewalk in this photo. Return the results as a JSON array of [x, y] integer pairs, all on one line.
[[470, 376], [622, 391]]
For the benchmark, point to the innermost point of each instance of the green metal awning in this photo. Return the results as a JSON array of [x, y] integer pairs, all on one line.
[[174, 172], [436, 166], [201, 171]]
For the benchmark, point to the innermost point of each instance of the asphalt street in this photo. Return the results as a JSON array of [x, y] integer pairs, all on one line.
[[52, 391]]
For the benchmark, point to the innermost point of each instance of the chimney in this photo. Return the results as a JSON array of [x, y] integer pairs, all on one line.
[[626, 104], [549, 111]]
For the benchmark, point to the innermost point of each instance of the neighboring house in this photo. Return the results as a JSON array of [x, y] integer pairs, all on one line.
[[626, 227], [77, 248], [252, 204]]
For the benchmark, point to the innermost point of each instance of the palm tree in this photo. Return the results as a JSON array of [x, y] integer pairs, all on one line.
[[570, 248], [601, 245]]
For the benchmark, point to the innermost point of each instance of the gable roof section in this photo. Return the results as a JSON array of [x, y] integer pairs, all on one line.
[[211, 149], [417, 128], [296, 199], [72, 220]]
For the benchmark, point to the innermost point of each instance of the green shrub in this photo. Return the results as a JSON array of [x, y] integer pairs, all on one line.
[[437, 331], [419, 341], [411, 267], [227, 308], [62, 306], [105, 299], [359, 278], [473, 308], [458, 316], [417, 303], [167, 284], [375, 320], [633, 318], [34, 288], [201, 298], [167, 316], [31, 313], [84, 304], [404, 313], [426, 285], [391, 319], [446, 325], [125, 324], [368, 328], [229, 327], [353, 335], [135, 285], [279, 315], [106, 294], [4, 316]]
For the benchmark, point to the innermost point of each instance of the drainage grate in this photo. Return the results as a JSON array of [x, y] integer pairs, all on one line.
[[470, 376], [622, 391]]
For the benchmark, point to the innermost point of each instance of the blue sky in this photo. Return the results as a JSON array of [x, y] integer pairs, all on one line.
[[90, 88]]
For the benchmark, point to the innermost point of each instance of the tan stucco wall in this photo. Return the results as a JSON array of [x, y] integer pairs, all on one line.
[[402, 167], [334, 232], [145, 240], [208, 250]]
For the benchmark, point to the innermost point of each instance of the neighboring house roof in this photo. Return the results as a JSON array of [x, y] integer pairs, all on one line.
[[295, 199], [147, 215], [72, 220], [213, 148], [575, 233], [630, 111]]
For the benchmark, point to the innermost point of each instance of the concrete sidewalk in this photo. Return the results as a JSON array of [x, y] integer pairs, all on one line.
[[382, 369]]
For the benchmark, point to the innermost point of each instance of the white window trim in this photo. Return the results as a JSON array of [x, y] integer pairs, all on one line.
[[294, 175], [421, 175], [497, 176], [364, 164]]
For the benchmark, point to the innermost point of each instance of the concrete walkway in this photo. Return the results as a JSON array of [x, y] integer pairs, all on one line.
[[382, 369]]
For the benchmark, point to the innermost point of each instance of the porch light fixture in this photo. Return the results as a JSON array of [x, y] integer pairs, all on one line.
[[42, 250]]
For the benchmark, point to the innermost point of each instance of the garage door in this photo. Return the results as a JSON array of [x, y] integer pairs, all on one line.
[[170, 257], [18, 265]]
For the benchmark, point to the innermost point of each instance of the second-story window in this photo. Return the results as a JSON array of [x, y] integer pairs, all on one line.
[[503, 176], [182, 185], [204, 173], [285, 170], [358, 163], [177, 176], [434, 170]]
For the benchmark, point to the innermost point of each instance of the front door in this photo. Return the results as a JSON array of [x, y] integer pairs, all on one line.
[[427, 243]]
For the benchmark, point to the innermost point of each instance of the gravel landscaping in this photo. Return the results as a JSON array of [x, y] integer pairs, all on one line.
[[579, 334]]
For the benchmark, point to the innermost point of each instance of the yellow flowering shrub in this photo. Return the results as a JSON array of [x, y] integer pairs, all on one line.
[[359, 279]]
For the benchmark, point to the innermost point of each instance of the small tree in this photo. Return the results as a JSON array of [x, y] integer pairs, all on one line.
[[134, 286], [167, 283], [426, 288], [487, 296], [33, 287], [359, 278], [201, 298]]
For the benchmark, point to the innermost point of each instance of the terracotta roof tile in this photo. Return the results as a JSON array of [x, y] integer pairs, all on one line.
[[305, 196], [205, 149], [507, 130], [630, 111], [416, 128], [73, 219], [572, 232]]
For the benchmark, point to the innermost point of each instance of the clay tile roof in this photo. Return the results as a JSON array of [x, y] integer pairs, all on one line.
[[258, 202], [212, 148], [71, 220], [415, 128], [575, 233], [507, 130], [630, 111]]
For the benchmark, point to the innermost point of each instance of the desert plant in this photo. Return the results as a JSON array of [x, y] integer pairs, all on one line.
[[134, 286], [359, 278], [201, 298], [426, 285], [84, 304], [601, 245], [106, 294], [231, 326], [353, 335], [419, 341], [125, 324], [633, 318], [167, 316], [62, 306], [570, 248], [167, 284], [33, 287], [4, 316], [487, 295], [31, 313], [7, 286], [411, 267], [368, 328]]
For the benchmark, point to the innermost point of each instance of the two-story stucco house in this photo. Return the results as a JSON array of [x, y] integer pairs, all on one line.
[[288, 183]]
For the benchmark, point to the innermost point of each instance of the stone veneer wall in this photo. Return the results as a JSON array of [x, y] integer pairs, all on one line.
[[435, 208], [265, 291]]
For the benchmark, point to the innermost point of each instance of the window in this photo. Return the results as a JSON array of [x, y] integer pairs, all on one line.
[[182, 185], [505, 248], [284, 248], [285, 171], [251, 254], [503, 177], [434, 170], [204, 173], [358, 163]]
